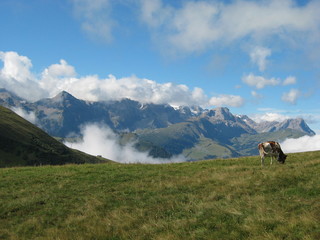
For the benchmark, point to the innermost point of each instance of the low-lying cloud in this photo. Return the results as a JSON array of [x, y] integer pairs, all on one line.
[[302, 144], [29, 116], [227, 100], [101, 140], [269, 117]]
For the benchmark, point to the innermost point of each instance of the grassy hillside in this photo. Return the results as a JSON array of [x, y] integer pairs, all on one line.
[[207, 148], [22, 143], [220, 199]]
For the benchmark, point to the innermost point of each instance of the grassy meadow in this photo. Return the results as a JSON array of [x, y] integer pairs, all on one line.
[[216, 199]]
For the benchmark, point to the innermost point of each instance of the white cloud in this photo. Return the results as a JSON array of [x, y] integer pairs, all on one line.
[[291, 96], [60, 70], [142, 90], [302, 144], [17, 77], [269, 117], [57, 77], [16, 67], [194, 27], [101, 140], [188, 28], [259, 56], [95, 18], [154, 12], [197, 25], [62, 76], [259, 82], [227, 100], [289, 81]]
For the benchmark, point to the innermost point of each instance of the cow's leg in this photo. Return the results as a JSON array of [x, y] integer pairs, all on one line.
[[271, 160], [262, 161]]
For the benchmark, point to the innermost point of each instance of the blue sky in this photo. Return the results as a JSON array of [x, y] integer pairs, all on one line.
[[259, 58]]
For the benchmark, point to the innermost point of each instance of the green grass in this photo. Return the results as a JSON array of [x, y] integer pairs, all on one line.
[[219, 199], [207, 148]]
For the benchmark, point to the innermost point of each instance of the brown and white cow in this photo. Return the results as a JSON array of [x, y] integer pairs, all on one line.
[[271, 149]]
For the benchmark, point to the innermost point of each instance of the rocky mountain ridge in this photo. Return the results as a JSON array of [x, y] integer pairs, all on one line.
[[131, 115], [274, 126]]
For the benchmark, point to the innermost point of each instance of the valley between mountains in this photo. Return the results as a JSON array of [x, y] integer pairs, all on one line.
[[161, 130]]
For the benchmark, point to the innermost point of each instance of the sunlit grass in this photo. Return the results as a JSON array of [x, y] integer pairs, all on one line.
[[218, 199]]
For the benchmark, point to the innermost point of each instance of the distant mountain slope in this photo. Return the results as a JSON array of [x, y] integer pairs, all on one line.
[[23, 144], [64, 114], [266, 126], [215, 134], [160, 128]]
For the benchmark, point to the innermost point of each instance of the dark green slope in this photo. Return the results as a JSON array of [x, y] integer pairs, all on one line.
[[23, 144]]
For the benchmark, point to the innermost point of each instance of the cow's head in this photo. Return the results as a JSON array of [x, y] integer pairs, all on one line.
[[282, 158]]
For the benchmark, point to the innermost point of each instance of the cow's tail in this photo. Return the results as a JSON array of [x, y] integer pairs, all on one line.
[[261, 148]]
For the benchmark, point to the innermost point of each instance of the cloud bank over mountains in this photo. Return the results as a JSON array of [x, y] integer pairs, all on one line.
[[16, 76], [302, 144]]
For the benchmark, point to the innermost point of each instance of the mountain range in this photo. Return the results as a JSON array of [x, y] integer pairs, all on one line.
[[195, 132]]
